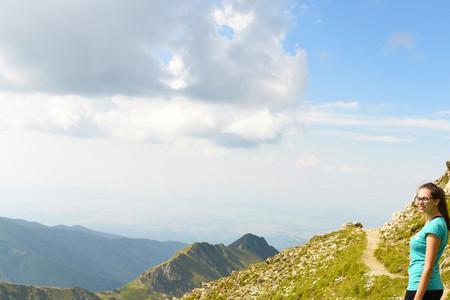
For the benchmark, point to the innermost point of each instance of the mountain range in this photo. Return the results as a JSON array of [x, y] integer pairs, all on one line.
[[189, 268], [67, 256]]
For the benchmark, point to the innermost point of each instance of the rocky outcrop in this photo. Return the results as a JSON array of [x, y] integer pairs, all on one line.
[[444, 180], [351, 224]]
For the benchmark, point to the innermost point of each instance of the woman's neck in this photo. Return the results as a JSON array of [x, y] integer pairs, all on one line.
[[429, 217]]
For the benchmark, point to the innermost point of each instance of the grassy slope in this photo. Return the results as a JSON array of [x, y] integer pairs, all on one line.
[[327, 267]]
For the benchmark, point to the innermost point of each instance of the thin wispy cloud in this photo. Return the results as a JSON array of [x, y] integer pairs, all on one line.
[[367, 137], [346, 105], [332, 118]]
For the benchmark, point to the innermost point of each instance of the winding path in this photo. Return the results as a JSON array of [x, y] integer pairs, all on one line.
[[375, 266]]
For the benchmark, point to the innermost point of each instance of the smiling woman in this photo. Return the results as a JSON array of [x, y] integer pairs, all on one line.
[[427, 246]]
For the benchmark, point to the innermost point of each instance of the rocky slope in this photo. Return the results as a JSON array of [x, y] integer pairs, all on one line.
[[197, 263]]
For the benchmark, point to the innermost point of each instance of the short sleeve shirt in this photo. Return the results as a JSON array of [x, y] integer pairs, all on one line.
[[418, 243]]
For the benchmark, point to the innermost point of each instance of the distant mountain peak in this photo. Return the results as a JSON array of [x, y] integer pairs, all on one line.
[[255, 244], [249, 238]]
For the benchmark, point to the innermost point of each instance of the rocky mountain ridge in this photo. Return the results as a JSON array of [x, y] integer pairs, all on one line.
[[193, 265]]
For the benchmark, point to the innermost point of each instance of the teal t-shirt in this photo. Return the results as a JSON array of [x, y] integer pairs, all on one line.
[[417, 248]]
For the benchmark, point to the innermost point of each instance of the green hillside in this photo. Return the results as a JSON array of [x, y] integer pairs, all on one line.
[[31, 253], [190, 267], [328, 267]]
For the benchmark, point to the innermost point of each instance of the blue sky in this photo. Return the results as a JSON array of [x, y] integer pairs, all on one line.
[[199, 120], [351, 54]]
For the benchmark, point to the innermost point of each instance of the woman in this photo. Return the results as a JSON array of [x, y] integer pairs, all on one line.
[[427, 245]]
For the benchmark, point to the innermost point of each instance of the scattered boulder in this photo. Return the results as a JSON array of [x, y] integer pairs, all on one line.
[[352, 224]]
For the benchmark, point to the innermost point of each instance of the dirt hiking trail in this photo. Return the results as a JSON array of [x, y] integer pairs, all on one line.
[[375, 266]]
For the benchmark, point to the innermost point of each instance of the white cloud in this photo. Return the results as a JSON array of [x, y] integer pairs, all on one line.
[[179, 73], [331, 118], [66, 114], [143, 120], [366, 137], [159, 120], [155, 121], [129, 49], [257, 125], [237, 21], [318, 116], [432, 124], [338, 105]]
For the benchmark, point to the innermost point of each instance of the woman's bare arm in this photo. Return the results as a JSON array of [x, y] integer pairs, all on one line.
[[433, 243]]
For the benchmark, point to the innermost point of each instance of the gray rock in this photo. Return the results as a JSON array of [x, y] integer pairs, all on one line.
[[352, 224]]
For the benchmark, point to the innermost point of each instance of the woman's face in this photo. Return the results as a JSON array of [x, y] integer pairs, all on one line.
[[424, 201]]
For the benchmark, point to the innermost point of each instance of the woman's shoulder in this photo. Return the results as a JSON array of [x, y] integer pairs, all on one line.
[[439, 219], [436, 225]]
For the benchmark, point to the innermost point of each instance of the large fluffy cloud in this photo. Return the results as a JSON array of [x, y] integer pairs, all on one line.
[[151, 48], [154, 120]]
